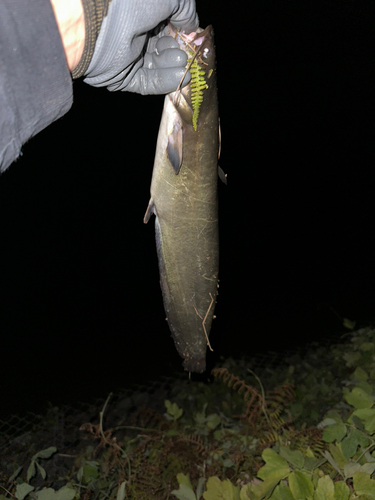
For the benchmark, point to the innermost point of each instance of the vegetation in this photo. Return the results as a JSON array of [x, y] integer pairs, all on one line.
[[303, 430]]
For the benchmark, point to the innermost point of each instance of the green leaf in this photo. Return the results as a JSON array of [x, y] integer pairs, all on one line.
[[245, 493], [328, 421], [334, 432], [276, 467], [184, 493], [200, 486], [351, 358], [22, 490], [282, 492], [363, 484], [31, 471], [227, 462], [349, 447], [367, 468], [67, 492], [360, 437], [172, 432], [219, 434], [89, 472], [47, 453], [349, 324], [221, 490], [41, 470], [338, 455], [368, 416], [184, 479], [351, 468], [313, 463], [325, 489], [272, 473], [230, 491], [341, 490], [295, 458], [173, 409], [357, 422], [350, 444], [333, 414], [64, 493], [262, 490], [359, 398], [363, 414], [367, 346], [359, 374], [213, 421], [15, 474], [121, 491], [365, 386], [309, 453], [301, 485], [200, 418], [331, 460], [370, 425]]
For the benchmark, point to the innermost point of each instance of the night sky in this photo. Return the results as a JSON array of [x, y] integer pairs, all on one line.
[[81, 307]]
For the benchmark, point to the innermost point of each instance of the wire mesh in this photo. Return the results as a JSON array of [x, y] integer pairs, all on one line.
[[22, 436]]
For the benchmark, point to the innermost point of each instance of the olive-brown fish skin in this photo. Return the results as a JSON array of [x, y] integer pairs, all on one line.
[[184, 201]]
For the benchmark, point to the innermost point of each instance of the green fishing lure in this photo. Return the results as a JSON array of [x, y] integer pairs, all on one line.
[[197, 85]]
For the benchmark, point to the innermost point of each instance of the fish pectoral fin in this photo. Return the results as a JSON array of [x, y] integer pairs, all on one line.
[[222, 175], [174, 146], [150, 210]]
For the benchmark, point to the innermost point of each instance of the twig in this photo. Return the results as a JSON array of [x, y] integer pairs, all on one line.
[[131, 427], [204, 321], [101, 414], [263, 395], [9, 493], [178, 89]]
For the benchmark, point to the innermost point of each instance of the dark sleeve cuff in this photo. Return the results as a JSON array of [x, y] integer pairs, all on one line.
[[35, 83]]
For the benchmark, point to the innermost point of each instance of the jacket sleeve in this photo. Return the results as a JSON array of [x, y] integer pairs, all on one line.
[[35, 83]]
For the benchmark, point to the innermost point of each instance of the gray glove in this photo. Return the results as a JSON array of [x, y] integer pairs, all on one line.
[[125, 47]]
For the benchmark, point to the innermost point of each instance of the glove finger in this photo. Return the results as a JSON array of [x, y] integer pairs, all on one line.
[[186, 17], [156, 81], [166, 42], [169, 58]]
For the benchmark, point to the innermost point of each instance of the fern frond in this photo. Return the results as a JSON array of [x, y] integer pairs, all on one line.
[[273, 405], [195, 440], [269, 438]]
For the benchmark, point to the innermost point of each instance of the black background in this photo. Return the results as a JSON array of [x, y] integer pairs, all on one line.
[[81, 307]]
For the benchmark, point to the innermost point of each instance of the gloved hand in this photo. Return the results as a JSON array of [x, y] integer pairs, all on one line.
[[125, 48]]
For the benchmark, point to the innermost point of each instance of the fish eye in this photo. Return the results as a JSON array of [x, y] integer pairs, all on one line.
[[206, 52]]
